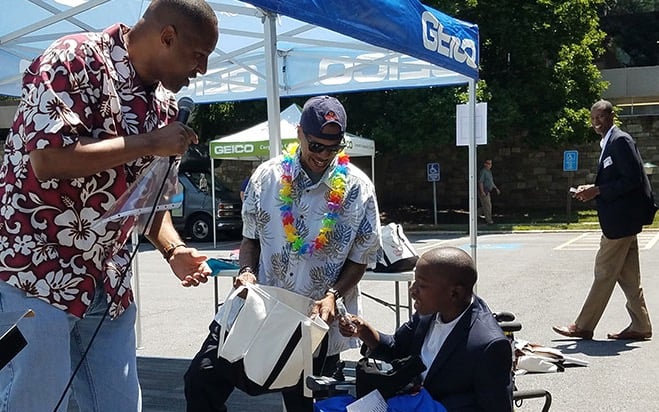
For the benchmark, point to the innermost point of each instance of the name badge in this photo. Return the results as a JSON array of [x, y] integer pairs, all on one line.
[[608, 162]]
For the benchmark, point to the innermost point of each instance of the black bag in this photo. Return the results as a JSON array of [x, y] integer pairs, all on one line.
[[404, 374], [650, 208], [398, 254]]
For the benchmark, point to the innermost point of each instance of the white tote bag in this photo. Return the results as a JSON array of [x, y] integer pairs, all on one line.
[[272, 333]]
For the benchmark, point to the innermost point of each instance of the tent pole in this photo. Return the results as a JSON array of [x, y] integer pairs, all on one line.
[[473, 211], [272, 87], [214, 204]]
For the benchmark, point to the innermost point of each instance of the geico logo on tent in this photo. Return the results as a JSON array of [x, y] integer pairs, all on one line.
[[434, 38], [234, 149]]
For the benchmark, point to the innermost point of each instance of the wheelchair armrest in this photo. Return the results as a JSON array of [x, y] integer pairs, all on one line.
[[504, 316], [510, 326]]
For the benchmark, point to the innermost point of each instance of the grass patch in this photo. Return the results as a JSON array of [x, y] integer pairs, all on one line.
[[419, 219]]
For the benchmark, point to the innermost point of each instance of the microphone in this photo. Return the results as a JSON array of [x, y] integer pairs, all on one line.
[[185, 107]]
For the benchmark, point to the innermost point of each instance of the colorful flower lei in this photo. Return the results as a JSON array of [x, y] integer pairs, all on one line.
[[335, 197]]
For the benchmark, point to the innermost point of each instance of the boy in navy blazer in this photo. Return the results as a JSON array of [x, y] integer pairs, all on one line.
[[468, 359]]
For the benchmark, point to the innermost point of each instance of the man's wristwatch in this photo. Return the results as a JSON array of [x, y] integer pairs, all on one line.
[[244, 269], [334, 292]]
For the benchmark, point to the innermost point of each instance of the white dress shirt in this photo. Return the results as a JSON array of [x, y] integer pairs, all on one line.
[[435, 337], [603, 143]]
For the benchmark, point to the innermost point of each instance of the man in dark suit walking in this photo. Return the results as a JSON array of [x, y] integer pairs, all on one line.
[[468, 359], [623, 195]]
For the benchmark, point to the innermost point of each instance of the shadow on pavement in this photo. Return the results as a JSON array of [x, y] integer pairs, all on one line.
[[161, 380], [162, 389], [600, 348]]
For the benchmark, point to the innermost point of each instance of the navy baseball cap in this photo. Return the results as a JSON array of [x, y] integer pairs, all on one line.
[[320, 111]]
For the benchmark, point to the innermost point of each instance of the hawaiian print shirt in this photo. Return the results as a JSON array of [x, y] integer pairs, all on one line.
[[82, 85], [356, 235]]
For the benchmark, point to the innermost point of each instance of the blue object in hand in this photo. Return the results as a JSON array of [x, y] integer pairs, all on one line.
[[218, 265]]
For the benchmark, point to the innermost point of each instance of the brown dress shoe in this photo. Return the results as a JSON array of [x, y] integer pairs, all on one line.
[[629, 335], [571, 331]]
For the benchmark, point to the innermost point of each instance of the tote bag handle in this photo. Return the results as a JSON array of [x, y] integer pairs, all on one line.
[[228, 303]]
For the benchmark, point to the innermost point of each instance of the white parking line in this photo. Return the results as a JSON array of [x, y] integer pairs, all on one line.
[[654, 239], [591, 241], [569, 242]]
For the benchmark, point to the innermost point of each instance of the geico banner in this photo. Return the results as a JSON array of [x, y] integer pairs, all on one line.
[[259, 150], [253, 150], [408, 27]]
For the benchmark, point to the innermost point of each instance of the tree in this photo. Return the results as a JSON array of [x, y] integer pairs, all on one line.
[[632, 28], [537, 59], [220, 119]]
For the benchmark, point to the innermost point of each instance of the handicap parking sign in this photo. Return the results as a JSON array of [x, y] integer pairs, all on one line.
[[433, 172], [570, 161]]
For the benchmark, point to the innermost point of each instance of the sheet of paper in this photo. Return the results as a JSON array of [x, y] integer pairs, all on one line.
[[373, 402]]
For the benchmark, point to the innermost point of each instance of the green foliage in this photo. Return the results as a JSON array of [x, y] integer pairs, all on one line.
[[404, 121], [220, 119], [538, 62]]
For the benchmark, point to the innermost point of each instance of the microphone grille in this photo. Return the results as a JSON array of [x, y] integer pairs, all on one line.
[[185, 103]]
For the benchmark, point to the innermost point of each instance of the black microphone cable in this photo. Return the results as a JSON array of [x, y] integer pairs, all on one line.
[[185, 108]]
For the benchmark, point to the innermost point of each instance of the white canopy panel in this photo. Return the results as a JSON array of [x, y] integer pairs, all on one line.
[[310, 59]]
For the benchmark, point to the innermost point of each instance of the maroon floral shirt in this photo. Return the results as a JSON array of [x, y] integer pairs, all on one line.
[[83, 85]]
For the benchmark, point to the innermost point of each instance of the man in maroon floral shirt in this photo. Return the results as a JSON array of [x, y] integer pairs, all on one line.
[[96, 109]]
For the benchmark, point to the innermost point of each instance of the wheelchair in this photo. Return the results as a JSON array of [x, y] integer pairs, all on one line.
[[343, 381], [509, 326]]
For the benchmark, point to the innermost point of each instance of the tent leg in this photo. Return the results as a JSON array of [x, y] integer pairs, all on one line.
[[471, 130], [272, 87]]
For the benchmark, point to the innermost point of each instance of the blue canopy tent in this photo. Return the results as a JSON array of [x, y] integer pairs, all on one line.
[[273, 48]]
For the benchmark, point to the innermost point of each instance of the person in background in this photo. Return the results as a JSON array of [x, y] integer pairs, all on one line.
[[203, 182], [311, 226], [485, 187], [96, 109], [622, 191], [467, 357]]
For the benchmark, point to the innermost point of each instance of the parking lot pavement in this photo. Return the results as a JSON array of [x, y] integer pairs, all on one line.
[[526, 273]]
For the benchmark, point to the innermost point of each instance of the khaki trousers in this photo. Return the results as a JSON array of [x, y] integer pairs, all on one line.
[[486, 206], [617, 261]]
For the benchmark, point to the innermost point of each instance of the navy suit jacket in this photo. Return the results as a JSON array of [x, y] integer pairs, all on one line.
[[624, 200], [473, 369]]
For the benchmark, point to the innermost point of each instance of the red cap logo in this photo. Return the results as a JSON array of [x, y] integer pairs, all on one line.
[[329, 116]]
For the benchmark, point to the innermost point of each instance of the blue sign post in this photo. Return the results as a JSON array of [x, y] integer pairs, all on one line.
[[570, 165], [433, 173]]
